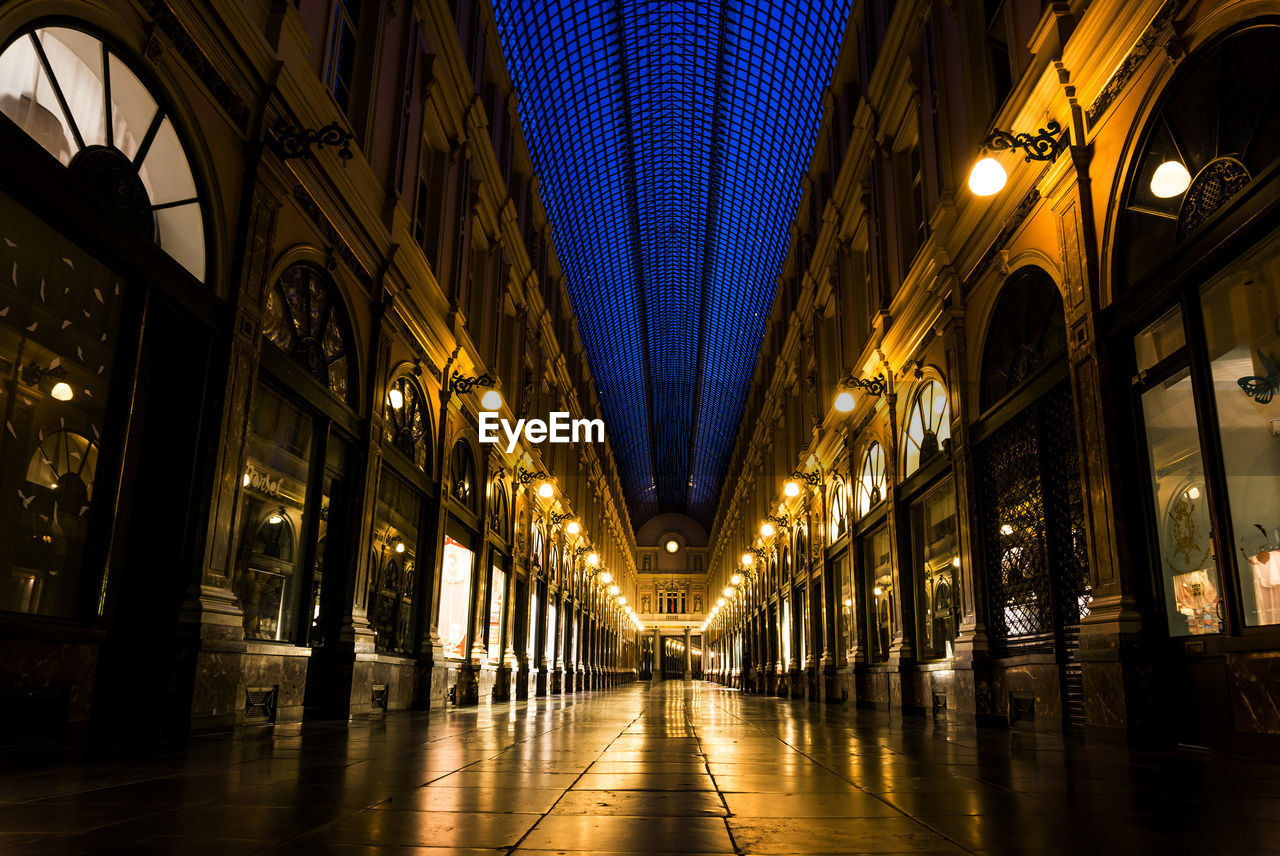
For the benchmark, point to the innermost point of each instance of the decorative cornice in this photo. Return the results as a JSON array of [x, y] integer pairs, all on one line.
[[331, 234], [1140, 51], [231, 103]]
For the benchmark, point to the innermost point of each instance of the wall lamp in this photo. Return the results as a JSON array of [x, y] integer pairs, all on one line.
[[988, 177], [874, 385]]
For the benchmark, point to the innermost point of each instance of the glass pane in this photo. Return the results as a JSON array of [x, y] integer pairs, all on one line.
[[76, 60], [877, 561], [497, 598], [786, 632], [27, 98], [59, 319], [393, 580], [455, 598], [165, 171], [1159, 341], [553, 648], [1242, 328], [132, 108], [271, 517], [180, 230], [933, 534], [531, 642], [1188, 567]]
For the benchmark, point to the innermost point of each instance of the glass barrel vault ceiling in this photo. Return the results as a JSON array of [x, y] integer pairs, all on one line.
[[670, 140]]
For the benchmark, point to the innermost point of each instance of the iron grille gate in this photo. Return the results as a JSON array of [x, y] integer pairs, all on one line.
[[1034, 538]]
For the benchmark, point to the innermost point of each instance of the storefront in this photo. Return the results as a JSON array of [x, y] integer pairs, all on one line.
[[455, 619], [105, 246], [1196, 309]]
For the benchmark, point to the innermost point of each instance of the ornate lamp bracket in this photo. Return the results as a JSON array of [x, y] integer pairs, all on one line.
[[813, 479], [524, 476], [873, 385], [295, 142], [1045, 145], [558, 518], [460, 384]]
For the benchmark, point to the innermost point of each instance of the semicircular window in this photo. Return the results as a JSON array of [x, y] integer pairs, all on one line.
[[79, 100], [306, 319], [871, 479], [1216, 129], [928, 427], [407, 420], [462, 474], [1027, 332]]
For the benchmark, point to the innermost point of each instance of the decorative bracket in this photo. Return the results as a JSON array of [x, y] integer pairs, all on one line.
[[874, 385], [524, 476], [294, 142], [1042, 146], [813, 479], [460, 384]]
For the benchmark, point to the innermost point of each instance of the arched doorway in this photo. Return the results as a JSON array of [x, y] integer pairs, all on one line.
[[1032, 527]]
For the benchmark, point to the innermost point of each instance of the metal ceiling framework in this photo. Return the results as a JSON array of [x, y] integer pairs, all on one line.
[[671, 140]]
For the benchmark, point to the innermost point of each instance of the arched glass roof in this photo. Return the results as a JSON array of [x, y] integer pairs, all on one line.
[[670, 140]]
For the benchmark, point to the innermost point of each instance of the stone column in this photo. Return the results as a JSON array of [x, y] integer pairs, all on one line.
[[657, 654], [688, 656]]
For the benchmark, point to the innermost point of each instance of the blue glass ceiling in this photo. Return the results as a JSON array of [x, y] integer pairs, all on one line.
[[670, 140]]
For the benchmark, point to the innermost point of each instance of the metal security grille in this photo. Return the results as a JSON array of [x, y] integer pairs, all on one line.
[[1033, 525], [1014, 533]]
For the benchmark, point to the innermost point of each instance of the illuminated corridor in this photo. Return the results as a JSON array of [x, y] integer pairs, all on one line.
[[680, 768]]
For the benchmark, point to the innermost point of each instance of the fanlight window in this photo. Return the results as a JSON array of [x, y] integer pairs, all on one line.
[[407, 420], [1027, 333], [1214, 132], [928, 426], [536, 551], [306, 319], [499, 516], [462, 474], [75, 97], [871, 479], [838, 520]]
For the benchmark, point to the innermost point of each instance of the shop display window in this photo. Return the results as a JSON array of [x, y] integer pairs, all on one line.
[[393, 583], [455, 597], [497, 612], [1242, 330], [786, 631], [272, 516], [1188, 566], [847, 627], [59, 324], [531, 640], [79, 100], [933, 529], [838, 518], [553, 640], [878, 563], [928, 427]]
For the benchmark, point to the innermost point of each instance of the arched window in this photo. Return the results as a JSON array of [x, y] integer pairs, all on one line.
[[499, 515], [802, 548], [539, 543], [306, 318], [928, 426], [462, 474], [1027, 332], [82, 102], [838, 518], [871, 479], [1214, 132], [408, 420]]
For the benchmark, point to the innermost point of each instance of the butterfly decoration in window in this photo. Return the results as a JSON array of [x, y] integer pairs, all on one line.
[[1262, 388]]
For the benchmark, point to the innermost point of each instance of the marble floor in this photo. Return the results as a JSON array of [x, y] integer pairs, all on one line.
[[679, 768]]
